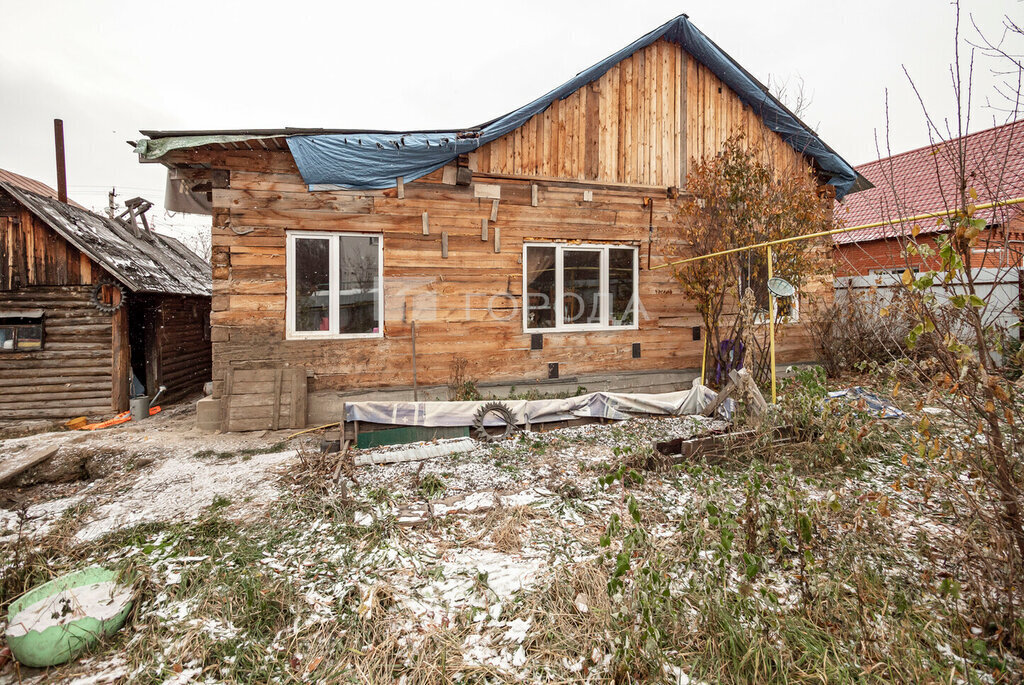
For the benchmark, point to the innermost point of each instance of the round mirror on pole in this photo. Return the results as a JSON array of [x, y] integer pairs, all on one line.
[[780, 287]]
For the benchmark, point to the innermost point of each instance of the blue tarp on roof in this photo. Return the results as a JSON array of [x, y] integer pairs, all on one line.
[[370, 161]]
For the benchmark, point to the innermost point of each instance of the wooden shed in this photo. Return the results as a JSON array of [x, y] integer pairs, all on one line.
[[519, 250], [92, 307]]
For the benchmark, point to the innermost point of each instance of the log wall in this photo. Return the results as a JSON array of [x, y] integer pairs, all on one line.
[[71, 375], [182, 344], [447, 297]]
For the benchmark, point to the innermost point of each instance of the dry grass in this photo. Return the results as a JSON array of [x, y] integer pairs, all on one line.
[[507, 535], [572, 615]]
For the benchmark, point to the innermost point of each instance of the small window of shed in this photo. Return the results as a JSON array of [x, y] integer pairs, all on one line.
[[21, 331]]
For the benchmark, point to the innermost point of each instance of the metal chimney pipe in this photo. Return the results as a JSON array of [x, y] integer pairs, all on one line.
[[58, 141]]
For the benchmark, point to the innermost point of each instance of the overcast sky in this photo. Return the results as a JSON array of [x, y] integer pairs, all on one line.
[[111, 68]]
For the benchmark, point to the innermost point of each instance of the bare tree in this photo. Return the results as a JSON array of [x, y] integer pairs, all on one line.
[[957, 351]]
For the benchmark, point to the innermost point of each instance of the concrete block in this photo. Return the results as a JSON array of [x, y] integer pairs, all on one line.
[[208, 414]]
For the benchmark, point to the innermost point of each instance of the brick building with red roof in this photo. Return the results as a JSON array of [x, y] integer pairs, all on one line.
[[925, 181]]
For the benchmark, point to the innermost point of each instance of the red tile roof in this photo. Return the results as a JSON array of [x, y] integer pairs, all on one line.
[[32, 185], [925, 181]]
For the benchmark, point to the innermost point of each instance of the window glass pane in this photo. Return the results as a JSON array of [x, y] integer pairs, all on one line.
[[312, 284], [358, 286], [540, 287], [581, 300], [621, 287], [30, 337], [6, 337]]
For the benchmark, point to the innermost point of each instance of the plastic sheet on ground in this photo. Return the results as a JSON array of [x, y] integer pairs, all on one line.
[[875, 404], [607, 405]]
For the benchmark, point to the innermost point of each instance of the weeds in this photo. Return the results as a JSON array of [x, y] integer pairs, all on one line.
[[461, 387], [431, 486]]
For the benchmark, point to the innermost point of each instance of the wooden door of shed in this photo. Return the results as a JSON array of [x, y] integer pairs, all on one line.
[[264, 399]]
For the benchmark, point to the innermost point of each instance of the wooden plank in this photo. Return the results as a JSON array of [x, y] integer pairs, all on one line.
[[299, 397], [11, 466], [487, 191], [682, 134], [275, 422], [592, 133], [120, 360], [225, 399]]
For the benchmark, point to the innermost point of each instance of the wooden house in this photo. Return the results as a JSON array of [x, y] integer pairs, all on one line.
[[517, 252], [89, 305]]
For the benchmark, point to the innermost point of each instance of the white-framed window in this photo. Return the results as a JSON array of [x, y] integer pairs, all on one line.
[[335, 285], [579, 287]]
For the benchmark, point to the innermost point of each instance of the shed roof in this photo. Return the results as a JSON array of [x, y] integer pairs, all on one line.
[[152, 262], [31, 184], [925, 181]]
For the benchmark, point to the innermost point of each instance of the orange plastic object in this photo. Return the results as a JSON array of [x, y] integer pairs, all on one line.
[[123, 417]]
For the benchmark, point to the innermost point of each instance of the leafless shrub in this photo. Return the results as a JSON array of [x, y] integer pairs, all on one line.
[[849, 331]]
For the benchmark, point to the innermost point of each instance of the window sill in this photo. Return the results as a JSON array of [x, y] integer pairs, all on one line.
[[582, 329], [332, 336]]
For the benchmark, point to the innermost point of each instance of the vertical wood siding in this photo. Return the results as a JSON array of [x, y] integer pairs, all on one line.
[[642, 123]]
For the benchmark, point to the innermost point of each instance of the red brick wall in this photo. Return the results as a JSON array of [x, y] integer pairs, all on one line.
[[858, 259]]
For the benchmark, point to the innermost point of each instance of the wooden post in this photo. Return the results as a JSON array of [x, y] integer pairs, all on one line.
[[58, 142], [120, 359], [415, 385], [771, 324], [704, 360]]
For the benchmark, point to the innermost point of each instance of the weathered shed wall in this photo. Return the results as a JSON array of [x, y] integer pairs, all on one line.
[[84, 365], [643, 122], [32, 254], [182, 344], [71, 375]]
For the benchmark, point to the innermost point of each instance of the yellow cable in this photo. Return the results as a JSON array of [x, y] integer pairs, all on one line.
[[822, 234]]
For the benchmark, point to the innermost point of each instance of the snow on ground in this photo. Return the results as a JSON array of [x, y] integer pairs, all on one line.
[[420, 545], [158, 470], [180, 489]]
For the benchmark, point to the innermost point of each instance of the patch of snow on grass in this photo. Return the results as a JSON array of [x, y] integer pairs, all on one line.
[[180, 488]]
